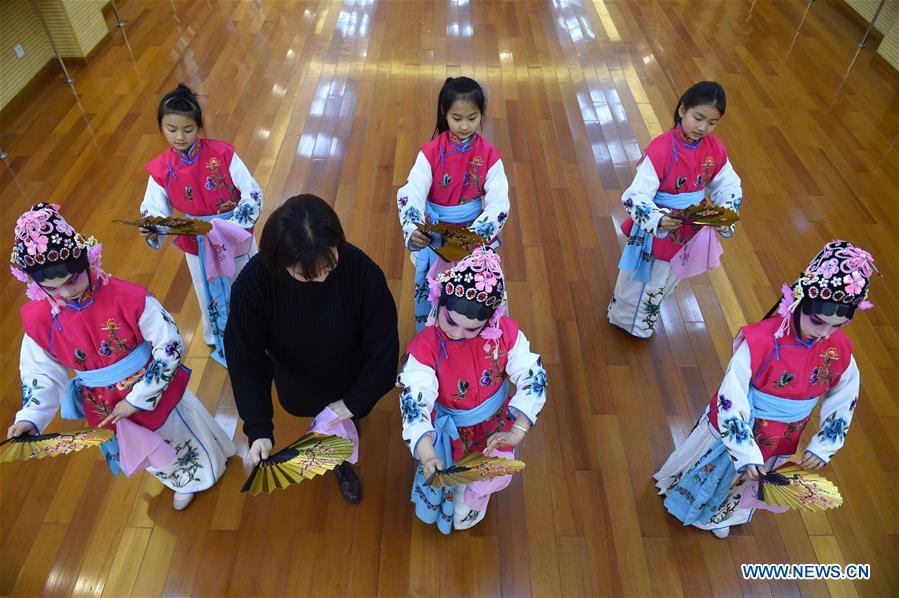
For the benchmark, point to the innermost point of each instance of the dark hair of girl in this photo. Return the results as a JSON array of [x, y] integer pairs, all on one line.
[[817, 307], [704, 93], [40, 273], [181, 100], [300, 235], [453, 90]]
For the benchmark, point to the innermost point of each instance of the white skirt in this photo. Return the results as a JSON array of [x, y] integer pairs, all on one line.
[[202, 447]]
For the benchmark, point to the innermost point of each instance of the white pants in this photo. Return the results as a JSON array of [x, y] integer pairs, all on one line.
[[635, 305], [196, 274], [202, 447]]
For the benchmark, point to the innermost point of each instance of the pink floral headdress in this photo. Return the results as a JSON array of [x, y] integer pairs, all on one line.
[[44, 238], [477, 278], [840, 273]]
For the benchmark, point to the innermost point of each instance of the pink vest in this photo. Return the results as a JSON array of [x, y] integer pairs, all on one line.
[[197, 185], [458, 176], [97, 335], [786, 368], [681, 169]]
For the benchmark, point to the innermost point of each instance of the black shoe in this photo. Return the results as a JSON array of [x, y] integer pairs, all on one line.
[[349, 483]]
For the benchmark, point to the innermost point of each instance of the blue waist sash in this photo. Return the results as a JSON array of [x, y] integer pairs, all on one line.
[[637, 254], [218, 294], [72, 405], [436, 505]]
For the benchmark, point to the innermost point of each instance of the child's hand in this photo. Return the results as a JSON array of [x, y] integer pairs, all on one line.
[[810, 462], [669, 224], [754, 472], [121, 409], [150, 235], [260, 450], [431, 465], [20, 429], [509, 439], [419, 240]]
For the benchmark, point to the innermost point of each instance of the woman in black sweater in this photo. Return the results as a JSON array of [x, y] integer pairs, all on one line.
[[314, 313]]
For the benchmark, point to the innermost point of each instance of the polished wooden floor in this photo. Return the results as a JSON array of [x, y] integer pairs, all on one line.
[[334, 98]]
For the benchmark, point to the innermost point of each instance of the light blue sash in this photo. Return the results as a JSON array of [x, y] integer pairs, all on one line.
[[426, 256], [703, 489], [218, 294], [637, 254], [72, 404], [433, 505]]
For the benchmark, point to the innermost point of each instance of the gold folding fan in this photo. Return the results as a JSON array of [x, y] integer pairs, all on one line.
[[794, 487], [459, 241], [171, 225], [311, 455], [471, 468], [51, 445], [705, 214]]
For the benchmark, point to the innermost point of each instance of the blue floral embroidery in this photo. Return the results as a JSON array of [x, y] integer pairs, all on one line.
[[501, 218], [244, 214], [155, 372], [736, 429], [852, 405], [104, 348], [444, 183], [462, 386], [536, 381], [210, 184], [486, 229], [641, 213], [486, 378], [173, 349], [834, 429], [412, 215], [411, 407], [28, 398]]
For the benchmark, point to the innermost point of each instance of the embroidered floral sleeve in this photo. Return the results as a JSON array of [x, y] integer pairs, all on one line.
[[496, 203], [157, 328], [156, 203], [419, 384], [837, 410], [249, 208], [411, 197], [726, 190], [43, 382], [733, 411], [526, 372], [638, 199]]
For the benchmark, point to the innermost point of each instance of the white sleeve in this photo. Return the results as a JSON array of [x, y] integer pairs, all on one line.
[[837, 410], [411, 197], [526, 372], [496, 203], [157, 328], [734, 411], [420, 385], [726, 190], [43, 383], [249, 208], [156, 203], [639, 198]]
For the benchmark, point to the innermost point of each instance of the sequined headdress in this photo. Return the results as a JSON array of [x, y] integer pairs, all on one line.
[[839, 274]]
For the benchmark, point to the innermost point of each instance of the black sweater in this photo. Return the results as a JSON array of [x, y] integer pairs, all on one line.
[[321, 342]]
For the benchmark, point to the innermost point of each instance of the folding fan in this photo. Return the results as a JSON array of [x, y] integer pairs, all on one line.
[[471, 468], [51, 445], [459, 242], [705, 214], [172, 225], [311, 455], [794, 487]]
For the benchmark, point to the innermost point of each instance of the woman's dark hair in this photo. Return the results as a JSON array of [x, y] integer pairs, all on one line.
[[453, 90], [701, 94], [181, 100], [300, 234]]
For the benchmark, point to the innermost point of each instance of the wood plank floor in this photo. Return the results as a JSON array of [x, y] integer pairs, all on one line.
[[334, 98]]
